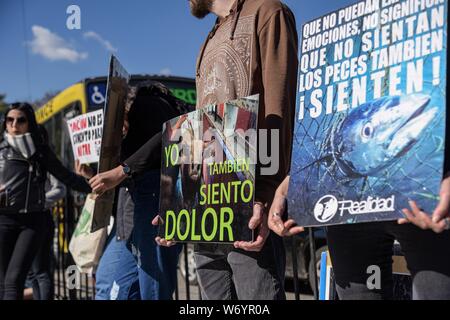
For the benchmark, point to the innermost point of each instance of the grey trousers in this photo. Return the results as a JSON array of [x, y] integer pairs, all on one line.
[[226, 273], [354, 248]]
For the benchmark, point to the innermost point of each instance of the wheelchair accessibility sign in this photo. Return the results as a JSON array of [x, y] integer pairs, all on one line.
[[96, 94]]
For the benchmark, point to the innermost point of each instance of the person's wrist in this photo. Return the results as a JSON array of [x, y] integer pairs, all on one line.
[[260, 203], [125, 171]]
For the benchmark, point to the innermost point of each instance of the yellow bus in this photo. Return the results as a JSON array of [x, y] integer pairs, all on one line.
[[89, 95], [85, 96]]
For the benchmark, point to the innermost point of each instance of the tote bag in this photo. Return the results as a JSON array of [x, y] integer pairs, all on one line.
[[85, 246]]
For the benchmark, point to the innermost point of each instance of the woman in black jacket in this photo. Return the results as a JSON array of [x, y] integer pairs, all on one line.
[[25, 160]]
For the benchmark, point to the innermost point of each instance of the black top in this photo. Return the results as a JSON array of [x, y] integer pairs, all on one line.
[[23, 180], [147, 157], [141, 148], [52, 164]]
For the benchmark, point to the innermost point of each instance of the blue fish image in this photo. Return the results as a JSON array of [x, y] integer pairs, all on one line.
[[376, 134]]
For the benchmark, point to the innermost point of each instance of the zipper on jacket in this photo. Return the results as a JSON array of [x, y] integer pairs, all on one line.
[[30, 170]]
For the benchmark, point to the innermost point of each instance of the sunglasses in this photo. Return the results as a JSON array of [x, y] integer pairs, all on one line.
[[20, 120]]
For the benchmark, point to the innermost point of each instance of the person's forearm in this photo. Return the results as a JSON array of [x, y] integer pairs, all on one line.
[[70, 179]]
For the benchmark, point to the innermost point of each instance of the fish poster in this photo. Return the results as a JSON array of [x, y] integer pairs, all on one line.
[[86, 136], [208, 173], [370, 115]]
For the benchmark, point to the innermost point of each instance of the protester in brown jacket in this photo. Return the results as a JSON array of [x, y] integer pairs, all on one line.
[[252, 49]]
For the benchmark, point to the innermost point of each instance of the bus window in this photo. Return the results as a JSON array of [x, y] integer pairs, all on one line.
[[71, 111], [59, 134], [56, 133]]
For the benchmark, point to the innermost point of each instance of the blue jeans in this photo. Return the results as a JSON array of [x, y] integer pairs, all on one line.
[[157, 266], [139, 268], [117, 275]]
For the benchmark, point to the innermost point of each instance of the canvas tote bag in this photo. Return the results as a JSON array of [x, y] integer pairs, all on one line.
[[85, 246]]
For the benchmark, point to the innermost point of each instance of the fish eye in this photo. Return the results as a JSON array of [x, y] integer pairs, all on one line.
[[367, 130]]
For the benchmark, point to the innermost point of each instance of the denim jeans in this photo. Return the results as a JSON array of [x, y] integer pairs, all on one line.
[[138, 269], [117, 274], [157, 266], [353, 248], [225, 273]]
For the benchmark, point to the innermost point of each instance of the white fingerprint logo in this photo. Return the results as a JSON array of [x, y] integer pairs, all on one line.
[[326, 208]]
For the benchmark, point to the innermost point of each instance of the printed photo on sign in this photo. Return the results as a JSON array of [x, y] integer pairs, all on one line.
[[208, 173], [86, 136], [370, 116]]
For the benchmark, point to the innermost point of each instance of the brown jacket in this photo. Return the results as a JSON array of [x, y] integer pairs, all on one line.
[[254, 51]]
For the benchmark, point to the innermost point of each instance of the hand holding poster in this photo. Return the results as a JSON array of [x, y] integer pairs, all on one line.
[[208, 173], [370, 125], [86, 136]]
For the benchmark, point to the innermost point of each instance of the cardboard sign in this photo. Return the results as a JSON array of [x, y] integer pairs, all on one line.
[[114, 112], [86, 136], [208, 173], [370, 117]]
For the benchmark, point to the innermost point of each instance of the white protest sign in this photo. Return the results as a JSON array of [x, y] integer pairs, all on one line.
[[86, 136]]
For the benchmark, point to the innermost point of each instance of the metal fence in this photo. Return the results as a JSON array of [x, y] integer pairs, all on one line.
[[68, 286], [71, 285]]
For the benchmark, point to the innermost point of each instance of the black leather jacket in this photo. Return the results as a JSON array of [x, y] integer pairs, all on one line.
[[22, 181]]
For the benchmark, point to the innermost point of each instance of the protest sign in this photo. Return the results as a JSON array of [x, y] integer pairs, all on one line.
[[114, 113], [208, 173], [86, 136], [370, 116]]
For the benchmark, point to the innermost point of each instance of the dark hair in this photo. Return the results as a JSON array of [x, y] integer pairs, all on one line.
[[155, 88], [28, 110]]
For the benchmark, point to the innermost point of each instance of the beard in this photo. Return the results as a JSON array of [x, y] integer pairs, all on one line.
[[200, 8]]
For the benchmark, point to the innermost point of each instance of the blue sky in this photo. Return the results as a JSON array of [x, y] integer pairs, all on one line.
[[148, 36]]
